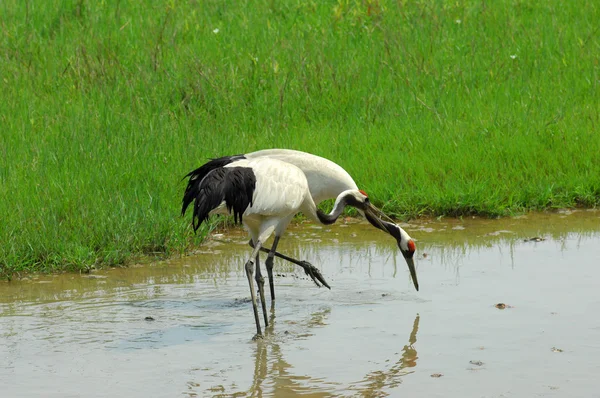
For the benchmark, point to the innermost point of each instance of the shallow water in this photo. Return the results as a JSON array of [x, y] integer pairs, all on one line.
[[372, 335]]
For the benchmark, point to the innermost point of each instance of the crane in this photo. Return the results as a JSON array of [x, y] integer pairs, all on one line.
[[326, 180], [264, 193]]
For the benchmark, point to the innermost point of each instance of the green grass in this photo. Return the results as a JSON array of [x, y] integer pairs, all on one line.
[[435, 107]]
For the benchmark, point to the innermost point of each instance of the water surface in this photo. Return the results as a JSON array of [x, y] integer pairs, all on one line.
[[372, 335]]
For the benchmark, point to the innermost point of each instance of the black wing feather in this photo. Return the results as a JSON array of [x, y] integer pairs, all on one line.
[[209, 196], [196, 176], [234, 185], [238, 189]]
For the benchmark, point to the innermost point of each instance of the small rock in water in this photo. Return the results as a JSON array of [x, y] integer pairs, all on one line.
[[502, 306], [476, 363], [148, 318], [437, 375], [534, 239], [554, 349], [242, 300]]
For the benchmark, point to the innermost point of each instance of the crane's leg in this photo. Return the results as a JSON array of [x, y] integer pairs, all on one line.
[[249, 271], [260, 282], [269, 264], [310, 269]]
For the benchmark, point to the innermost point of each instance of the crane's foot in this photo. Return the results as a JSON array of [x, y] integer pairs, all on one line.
[[314, 274], [257, 337]]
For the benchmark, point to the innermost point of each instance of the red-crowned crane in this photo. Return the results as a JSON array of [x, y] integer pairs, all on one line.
[[265, 193], [326, 180]]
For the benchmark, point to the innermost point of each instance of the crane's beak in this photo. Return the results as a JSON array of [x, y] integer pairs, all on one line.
[[374, 216], [413, 271]]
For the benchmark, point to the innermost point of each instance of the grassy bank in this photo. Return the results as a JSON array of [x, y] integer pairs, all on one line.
[[434, 107]]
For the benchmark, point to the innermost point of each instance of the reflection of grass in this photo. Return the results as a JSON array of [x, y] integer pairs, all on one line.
[[435, 107]]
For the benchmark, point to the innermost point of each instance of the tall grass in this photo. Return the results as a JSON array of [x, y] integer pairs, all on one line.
[[435, 107]]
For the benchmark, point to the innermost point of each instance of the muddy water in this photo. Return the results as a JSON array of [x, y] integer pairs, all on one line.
[[371, 335]]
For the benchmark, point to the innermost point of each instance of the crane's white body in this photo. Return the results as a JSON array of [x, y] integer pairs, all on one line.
[[281, 192], [326, 179]]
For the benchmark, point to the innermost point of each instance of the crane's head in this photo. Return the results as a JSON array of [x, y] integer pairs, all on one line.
[[405, 243]]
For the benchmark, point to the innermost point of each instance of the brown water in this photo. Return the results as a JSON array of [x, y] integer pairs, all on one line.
[[372, 335]]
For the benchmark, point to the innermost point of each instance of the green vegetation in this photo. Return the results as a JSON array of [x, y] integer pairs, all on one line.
[[435, 107]]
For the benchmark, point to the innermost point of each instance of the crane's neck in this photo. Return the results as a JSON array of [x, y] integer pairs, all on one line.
[[344, 199], [401, 236], [385, 226]]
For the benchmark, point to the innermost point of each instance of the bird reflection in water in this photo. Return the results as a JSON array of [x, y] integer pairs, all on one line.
[[374, 382], [273, 375]]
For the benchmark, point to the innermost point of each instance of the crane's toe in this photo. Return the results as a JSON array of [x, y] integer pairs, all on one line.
[[314, 274]]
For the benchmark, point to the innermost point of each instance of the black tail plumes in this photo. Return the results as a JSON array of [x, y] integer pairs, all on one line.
[[196, 177], [238, 189], [212, 184]]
